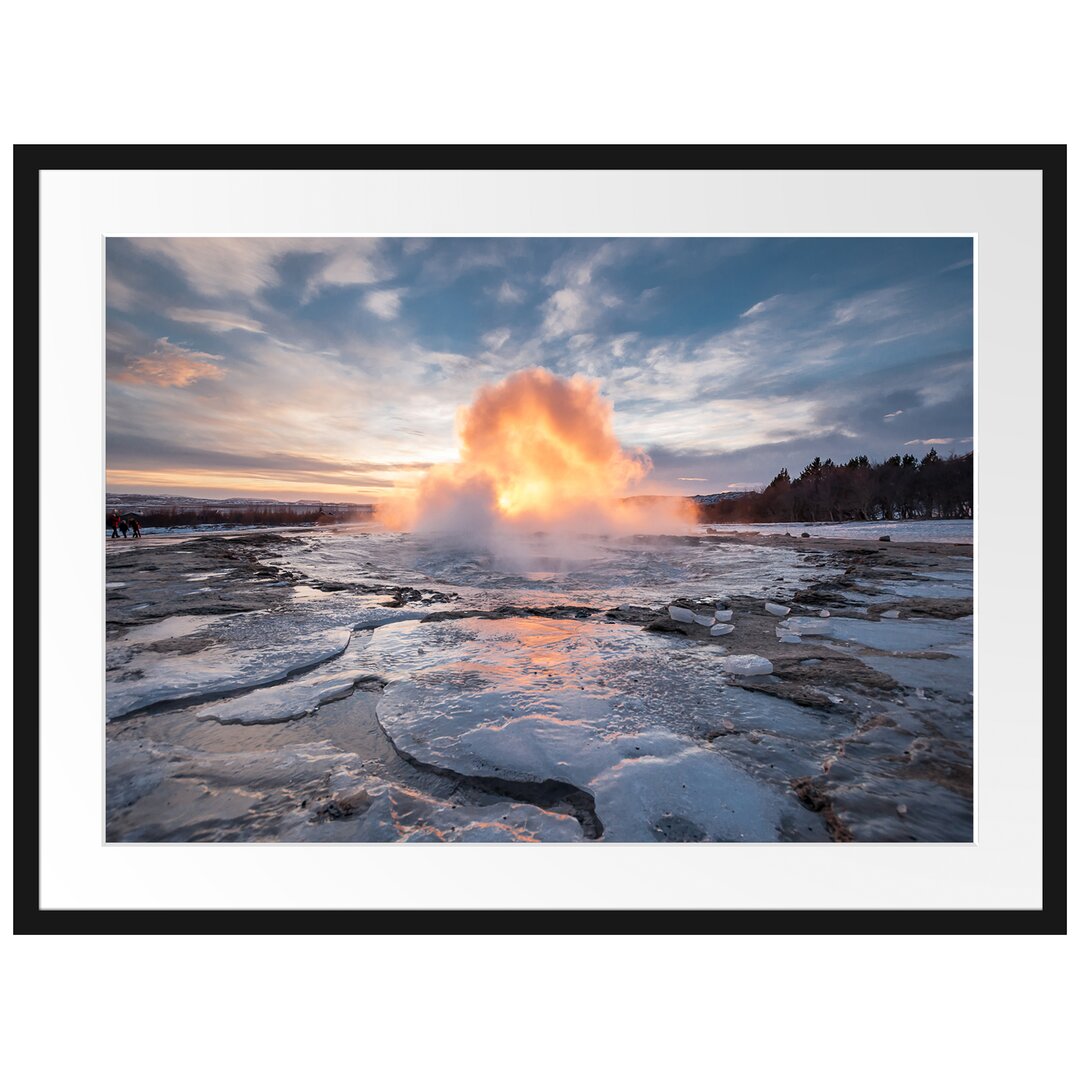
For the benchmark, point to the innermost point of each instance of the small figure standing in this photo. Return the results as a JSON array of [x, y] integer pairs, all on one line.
[[123, 527], [115, 526], [136, 530]]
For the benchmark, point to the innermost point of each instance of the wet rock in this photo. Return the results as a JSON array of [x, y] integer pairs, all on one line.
[[925, 607], [631, 613], [814, 797]]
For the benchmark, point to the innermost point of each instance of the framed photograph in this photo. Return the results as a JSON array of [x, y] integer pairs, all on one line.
[[580, 532]]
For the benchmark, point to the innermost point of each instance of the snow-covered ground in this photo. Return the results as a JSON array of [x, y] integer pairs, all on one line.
[[941, 532], [358, 685]]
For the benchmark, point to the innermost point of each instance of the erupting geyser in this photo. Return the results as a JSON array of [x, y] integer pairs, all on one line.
[[536, 450]]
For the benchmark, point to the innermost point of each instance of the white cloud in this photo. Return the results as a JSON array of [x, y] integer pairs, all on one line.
[[119, 295], [928, 442], [349, 267], [760, 306], [222, 266], [509, 294], [386, 303], [565, 312], [216, 266], [572, 307], [876, 306], [893, 415], [496, 339], [216, 320]]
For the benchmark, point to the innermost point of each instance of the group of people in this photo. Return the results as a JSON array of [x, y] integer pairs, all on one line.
[[120, 526]]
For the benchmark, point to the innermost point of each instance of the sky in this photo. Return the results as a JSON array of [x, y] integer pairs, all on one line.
[[332, 369]]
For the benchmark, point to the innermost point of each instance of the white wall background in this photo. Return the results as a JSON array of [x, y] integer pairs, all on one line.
[[558, 72]]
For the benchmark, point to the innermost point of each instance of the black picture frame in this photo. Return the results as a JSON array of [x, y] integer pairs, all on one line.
[[31, 160]]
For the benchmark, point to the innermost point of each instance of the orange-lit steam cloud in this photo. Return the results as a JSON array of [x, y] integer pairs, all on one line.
[[536, 450]]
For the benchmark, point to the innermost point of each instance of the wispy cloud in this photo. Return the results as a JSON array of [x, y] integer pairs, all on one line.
[[509, 294], [170, 365], [928, 442], [277, 346], [215, 320], [876, 306], [245, 266], [760, 306], [386, 303], [565, 311], [496, 339], [354, 264], [581, 296]]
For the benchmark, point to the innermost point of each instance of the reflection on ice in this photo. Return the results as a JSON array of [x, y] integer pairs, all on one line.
[[299, 693], [601, 706]]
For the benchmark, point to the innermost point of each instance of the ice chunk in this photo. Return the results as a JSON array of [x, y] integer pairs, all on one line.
[[724, 616], [789, 639], [823, 613], [704, 620], [892, 614], [288, 701], [746, 664], [147, 678], [680, 614], [776, 609], [719, 629]]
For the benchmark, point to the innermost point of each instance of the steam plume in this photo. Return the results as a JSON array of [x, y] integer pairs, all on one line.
[[537, 451]]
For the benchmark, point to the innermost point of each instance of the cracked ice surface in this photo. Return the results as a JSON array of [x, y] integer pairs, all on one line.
[[600, 706], [139, 679], [309, 791], [256, 732], [297, 697], [180, 657]]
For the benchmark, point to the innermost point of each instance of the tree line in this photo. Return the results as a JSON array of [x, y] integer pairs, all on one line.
[[899, 488], [240, 517]]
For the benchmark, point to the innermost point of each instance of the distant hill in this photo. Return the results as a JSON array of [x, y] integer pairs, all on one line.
[[186, 511], [136, 503], [720, 496]]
